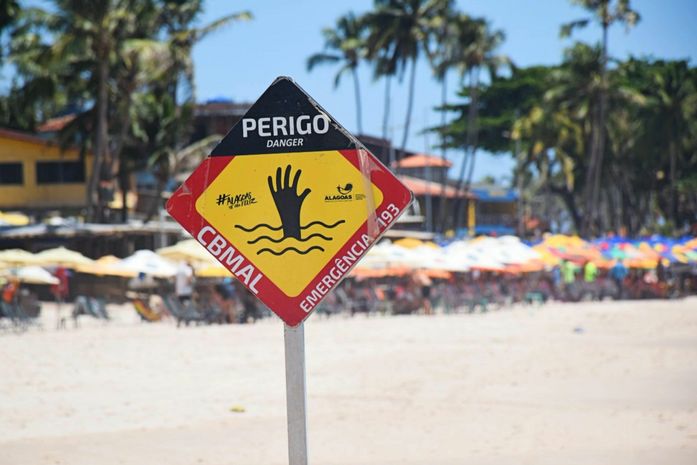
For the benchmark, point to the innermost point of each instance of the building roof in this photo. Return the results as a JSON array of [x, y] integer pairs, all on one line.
[[24, 136], [422, 160], [45, 140], [56, 124], [492, 193], [421, 187]]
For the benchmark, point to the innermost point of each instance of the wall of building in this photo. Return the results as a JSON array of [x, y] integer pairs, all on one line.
[[39, 194]]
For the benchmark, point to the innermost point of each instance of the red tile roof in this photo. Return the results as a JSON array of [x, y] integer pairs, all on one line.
[[422, 187], [23, 136], [421, 160], [56, 124]]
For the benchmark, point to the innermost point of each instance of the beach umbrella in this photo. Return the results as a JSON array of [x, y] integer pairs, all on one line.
[[408, 243], [31, 275], [473, 255], [188, 251], [106, 266], [546, 257], [60, 256], [214, 270], [13, 219], [149, 263], [17, 257]]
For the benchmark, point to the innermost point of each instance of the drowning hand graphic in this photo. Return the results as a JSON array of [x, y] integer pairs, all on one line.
[[288, 202]]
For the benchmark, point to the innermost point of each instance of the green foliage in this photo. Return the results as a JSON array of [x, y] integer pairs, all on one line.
[[121, 66], [650, 161], [499, 104]]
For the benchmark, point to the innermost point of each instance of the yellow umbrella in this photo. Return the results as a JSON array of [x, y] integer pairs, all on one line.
[[213, 271], [189, 251], [105, 266], [546, 257], [409, 243], [60, 256], [17, 257], [14, 219]]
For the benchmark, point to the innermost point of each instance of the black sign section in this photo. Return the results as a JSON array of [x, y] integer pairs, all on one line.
[[284, 119]]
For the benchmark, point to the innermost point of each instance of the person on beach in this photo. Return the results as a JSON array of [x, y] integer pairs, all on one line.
[[618, 272], [184, 282], [568, 273], [226, 298], [10, 291], [590, 272]]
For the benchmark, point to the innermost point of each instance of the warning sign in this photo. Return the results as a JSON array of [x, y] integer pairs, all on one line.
[[289, 201]]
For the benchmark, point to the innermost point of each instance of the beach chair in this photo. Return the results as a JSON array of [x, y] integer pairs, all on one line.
[[19, 318], [181, 313], [212, 313], [91, 306], [9, 314]]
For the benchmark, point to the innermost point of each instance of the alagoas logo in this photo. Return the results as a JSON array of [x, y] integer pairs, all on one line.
[[344, 194]]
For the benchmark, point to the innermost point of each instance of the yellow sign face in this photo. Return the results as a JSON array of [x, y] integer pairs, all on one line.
[[289, 214]]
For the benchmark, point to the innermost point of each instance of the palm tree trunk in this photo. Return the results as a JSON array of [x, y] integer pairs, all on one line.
[[410, 103], [468, 155], [94, 201], [601, 122], [443, 154], [569, 200], [673, 182], [357, 90], [472, 129], [386, 116]]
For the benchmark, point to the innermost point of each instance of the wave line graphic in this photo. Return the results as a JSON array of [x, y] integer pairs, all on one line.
[[260, 225], [288, 249], [330, 226], [278, 241]]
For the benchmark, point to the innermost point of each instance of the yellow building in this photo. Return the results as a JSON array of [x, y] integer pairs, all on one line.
[[36, 174]]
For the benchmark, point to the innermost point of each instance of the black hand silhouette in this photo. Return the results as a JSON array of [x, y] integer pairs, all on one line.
[[288, 202]]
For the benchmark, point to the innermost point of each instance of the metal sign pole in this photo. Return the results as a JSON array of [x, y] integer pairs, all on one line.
[[295, 394]]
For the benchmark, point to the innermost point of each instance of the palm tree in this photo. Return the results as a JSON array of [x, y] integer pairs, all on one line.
[[478, 53], [400, 30], [9, 10], [448, 44], [96, 52], [177, 19], [605, 12], [345, 44]]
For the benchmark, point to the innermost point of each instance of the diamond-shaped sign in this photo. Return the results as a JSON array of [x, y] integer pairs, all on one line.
[[289, 201]]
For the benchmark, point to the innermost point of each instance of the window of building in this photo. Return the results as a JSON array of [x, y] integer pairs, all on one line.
[[60, 172], [11, 174]]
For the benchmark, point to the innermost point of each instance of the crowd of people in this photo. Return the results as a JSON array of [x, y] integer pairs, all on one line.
[[191, 299]]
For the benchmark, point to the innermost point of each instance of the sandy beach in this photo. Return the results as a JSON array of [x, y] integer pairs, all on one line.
[[601, 383]]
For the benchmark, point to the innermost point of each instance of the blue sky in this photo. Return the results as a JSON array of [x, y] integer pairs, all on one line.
[[241, 61]]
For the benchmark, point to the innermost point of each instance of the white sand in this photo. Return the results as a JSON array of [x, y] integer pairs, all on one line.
[[516, 386]]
